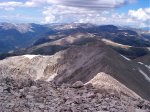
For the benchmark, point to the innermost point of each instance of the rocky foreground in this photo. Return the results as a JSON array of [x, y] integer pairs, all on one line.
[[40, 96]]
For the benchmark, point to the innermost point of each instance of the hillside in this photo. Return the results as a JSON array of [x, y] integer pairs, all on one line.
[[80, 63], [129, 51], [17, 36]]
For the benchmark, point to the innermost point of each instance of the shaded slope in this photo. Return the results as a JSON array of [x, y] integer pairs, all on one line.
[[80, 63], [16, 36], [54, 44], [144, 59], [49, 39], [129, 51]]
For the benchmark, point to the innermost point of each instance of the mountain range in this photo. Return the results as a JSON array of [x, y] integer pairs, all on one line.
[[32, 38], [107, 56], [83, 63]]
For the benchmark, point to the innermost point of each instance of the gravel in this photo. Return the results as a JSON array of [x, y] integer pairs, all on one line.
[[41, 96]]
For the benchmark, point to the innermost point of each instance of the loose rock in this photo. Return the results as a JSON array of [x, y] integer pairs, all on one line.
[[48, 97], [78, 84]]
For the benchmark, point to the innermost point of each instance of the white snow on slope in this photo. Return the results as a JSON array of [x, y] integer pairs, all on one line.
[[147, 66], [114, 43], [141, 63], [148, 48], [125, 57], [30, 56], [51, 77], [145, 75]]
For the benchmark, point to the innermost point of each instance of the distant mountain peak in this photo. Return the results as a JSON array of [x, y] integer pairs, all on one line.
[[22, 27]]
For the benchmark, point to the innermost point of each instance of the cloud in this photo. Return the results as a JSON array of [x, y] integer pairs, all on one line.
[[92, 4], [89, 4], [140, 14], [7, 8], [84, 11], [27, 4], [66, 14], [61, 14], [21, 18], [35, 3], [10, 4]]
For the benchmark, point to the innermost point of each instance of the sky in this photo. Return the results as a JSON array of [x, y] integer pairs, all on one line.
[[135, 13]]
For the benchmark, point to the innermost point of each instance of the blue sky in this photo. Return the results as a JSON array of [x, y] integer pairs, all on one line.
[[134, 6], [134, 13]]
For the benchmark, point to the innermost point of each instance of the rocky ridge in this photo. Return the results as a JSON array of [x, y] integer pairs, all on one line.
[[93, 61], [41, 96]]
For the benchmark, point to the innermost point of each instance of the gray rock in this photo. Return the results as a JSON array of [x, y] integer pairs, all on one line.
[[10, 105], [140, 110], [1, 89], [89, 85], [47, 97], [41, 106], [34, 88], [78, 84], [29, 96]]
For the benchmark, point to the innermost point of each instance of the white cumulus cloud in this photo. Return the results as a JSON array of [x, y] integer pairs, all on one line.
[[61, 14], [66, 14], [84, 11], [140, 14], [10, 4]]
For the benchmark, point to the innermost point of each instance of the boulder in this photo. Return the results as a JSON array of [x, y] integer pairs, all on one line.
[[78, 84], [1, 89]]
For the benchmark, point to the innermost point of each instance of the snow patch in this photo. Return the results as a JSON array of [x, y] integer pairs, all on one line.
[[125, 57], [145, 75], [114, 43], [30, 56], [147, 66], [141, 63], [148, 48], [52, 77]]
